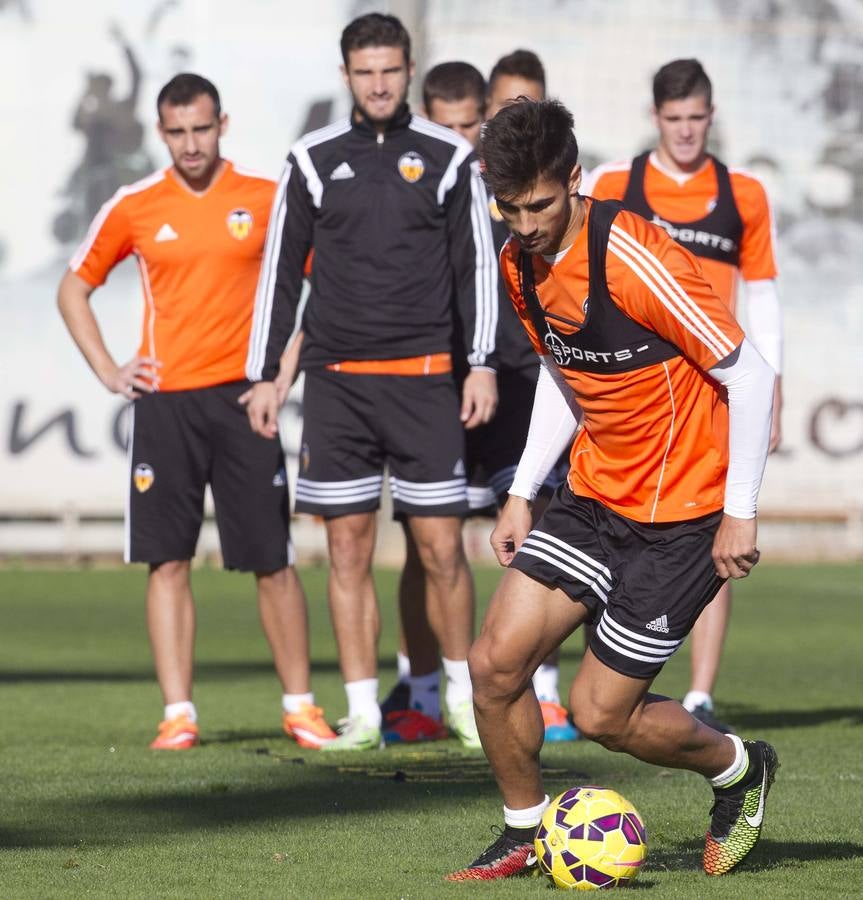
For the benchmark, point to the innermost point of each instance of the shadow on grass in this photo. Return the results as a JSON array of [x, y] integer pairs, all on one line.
[[205, 671], [748, 719], [300, 791]]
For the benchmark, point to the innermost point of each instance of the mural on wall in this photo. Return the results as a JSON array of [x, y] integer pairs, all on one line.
[[789, 95]]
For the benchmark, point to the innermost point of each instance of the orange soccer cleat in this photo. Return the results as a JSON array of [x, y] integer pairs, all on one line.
[[556, 722], [179, 733], [308, 727]]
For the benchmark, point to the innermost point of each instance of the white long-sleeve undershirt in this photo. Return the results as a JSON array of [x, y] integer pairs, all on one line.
[[764, 318], [745, 375], [748, 379], [553, 423]]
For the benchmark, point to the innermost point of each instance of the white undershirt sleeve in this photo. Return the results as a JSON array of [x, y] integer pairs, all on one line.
[[553, 423], [749, 382], [764, 317]]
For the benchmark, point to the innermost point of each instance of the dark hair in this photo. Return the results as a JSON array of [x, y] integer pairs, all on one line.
[[679, 79], [182, 89], [525, 141], [453, 81], [375, 30], [520, 63]]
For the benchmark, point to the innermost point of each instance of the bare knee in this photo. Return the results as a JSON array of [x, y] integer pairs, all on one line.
[[442, 556], [172, 572], [277, 585], [493, 678], [350, 545], [606, 727]]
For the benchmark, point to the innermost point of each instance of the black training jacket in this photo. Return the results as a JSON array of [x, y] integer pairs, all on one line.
[[399, 224]]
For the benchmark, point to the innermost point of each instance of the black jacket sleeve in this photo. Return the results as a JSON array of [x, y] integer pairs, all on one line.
[[474, 263], [280, 284]]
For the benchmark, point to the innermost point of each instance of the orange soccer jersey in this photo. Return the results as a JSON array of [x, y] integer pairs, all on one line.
[[654, 441], [689, 198], [199, 256]]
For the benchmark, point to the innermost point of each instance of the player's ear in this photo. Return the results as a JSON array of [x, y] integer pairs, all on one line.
[[223, 124], [654, 116], [345, 77], [574, 180]]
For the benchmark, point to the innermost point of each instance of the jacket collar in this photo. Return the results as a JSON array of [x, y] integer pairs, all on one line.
[[399, 122]]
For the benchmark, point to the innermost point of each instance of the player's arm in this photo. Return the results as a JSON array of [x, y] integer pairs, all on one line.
[[139, 375], [748, 379], [472, 256], [758, 272], [554, 420], [109, 240], [764, 315], [289, 368], [289, 238], [660, 284]]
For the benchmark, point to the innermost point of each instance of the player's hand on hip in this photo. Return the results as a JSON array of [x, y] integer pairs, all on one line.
[[478, 398], [734, 550], [513, 526], [138, 376], [262, 408]]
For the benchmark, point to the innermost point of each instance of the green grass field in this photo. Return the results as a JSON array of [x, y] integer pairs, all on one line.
[[87, 810]]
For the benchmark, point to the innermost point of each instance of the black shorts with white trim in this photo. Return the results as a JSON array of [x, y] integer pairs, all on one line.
[[494, 449], [182, 440], [355, 425], [644, 584]]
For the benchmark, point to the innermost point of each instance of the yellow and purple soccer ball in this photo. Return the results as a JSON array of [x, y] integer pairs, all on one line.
[[591, 838]]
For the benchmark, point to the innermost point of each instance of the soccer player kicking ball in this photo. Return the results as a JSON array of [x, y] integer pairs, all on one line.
[[659, 505]]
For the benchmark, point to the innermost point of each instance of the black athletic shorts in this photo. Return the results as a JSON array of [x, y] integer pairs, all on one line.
[[354, 425], [180, 441], [644, 584], [494, 449]]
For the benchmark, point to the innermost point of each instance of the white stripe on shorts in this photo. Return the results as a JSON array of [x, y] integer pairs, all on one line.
[[633, 645], [334, 493], [548, 552], [480, 497], [501, 481], [574, 556], [431, 493]]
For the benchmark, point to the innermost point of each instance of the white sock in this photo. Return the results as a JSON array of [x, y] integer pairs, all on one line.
[[694, 699], [545, 683], [291, 703], [425, 693], [183, 708], [525, 818], [458, 687], [363, 700], [403, 664], [737, 769]]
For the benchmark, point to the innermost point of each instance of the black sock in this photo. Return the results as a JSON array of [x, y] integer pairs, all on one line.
[[525, 835]]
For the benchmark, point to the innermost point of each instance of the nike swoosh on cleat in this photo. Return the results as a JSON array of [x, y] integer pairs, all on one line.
[[530, 859], [755, 821]]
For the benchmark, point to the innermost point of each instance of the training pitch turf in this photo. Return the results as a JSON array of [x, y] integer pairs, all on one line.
[[87, 810]]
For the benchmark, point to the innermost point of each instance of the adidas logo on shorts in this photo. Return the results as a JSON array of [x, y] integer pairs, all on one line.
[[660, 624]]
